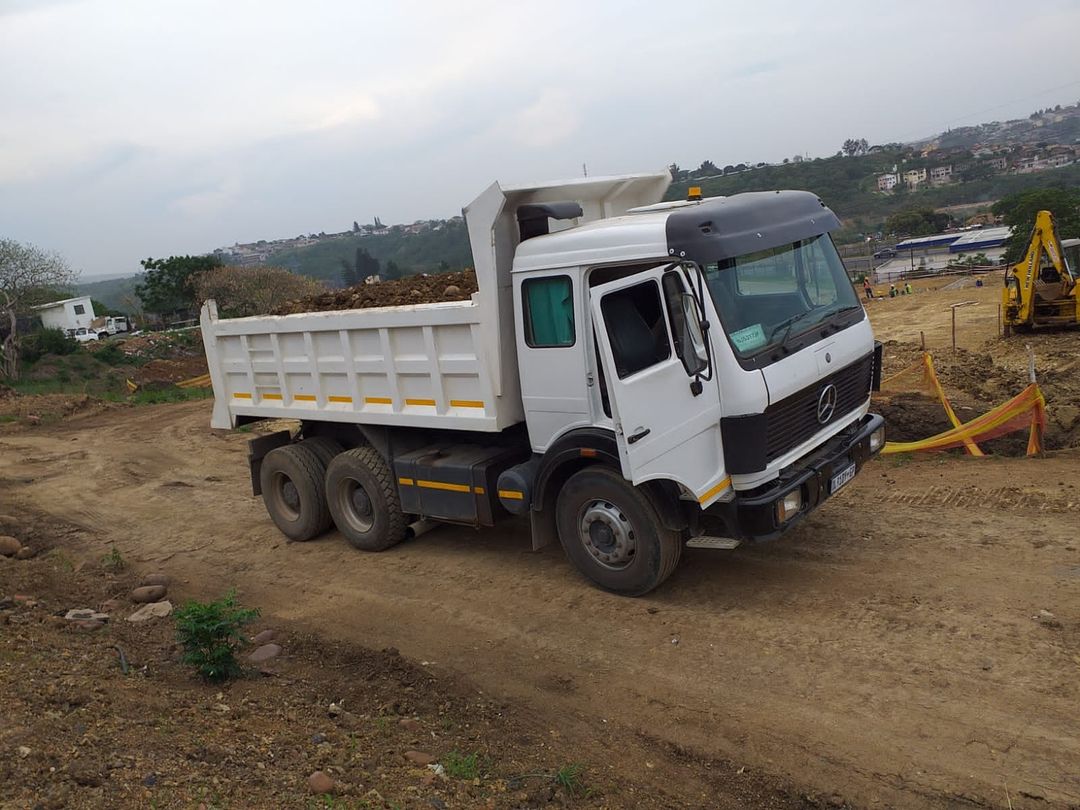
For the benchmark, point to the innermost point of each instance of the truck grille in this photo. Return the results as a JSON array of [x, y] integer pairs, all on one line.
[[794, 420]]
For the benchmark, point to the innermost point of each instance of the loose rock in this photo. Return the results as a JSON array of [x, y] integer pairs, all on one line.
[[25, 553], [264, 637], [419, 757], [154, 610], [85, 614], [156, 579], [148, 593], [409, 724], [264, 653], [89, 625], [320, 783], [9, 546], [453, 291]]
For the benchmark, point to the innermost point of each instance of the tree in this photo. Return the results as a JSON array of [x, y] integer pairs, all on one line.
[[348, 274], [166, 286], [917, 222], [706, 169], [392, 270], [243, 291], [24, 271], [677, 174], [355, 226], [855, 146], [1018, 212]]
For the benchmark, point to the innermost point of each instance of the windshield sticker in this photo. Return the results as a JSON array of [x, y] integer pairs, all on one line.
[[748, 339]]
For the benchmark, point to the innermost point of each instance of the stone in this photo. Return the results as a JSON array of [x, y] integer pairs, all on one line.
[[409, 724], [149, 780], [85, 614], [148, 593], [111, 605], [25, 553], [9, 546], [264, 653], [451, 291], [23, 752], [334, 709], [320, 783], [264, 637], [156, 579], [87, 774], [154, 610], [89, 625], [1047, 619], [319, 738], [419, 757]]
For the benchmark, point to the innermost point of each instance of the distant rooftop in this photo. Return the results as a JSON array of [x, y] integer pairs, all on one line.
[[52, 304]]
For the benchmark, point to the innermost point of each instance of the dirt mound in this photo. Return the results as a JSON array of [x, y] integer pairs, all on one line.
[[975, 381], [422, 289], [170, 371]]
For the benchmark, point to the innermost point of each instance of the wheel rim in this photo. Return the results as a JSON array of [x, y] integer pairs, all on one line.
[[357, 508], [608, 535], [286, 496]]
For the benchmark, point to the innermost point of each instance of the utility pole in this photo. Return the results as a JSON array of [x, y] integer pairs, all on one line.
[[584, 170]]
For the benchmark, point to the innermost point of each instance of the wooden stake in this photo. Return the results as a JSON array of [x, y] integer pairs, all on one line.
[[1031, 363], [922, 340], [954, 329], [999, 320]]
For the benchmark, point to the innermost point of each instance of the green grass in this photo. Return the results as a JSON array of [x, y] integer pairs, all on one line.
[[113, 561], [569, 778], [463, 766]]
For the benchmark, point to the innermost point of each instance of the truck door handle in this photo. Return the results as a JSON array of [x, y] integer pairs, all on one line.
[[641, 434]]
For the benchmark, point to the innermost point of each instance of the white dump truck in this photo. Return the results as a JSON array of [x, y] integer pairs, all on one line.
[[635, 376]]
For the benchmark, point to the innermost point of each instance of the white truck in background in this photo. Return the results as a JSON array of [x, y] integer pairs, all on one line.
[[636, 376]]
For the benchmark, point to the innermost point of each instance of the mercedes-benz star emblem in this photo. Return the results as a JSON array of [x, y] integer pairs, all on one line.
[[826, 403]]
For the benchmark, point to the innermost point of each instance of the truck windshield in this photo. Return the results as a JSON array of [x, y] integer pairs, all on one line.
[[767, 297]]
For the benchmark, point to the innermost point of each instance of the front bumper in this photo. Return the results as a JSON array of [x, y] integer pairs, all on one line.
[[752, 515]]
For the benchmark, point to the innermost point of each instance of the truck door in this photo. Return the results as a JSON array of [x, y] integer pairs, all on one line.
[[667, 420]]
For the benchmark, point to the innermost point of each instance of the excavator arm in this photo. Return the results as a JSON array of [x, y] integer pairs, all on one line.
[[1041, 292]]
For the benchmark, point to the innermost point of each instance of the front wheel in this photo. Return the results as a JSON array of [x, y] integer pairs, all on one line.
[[613, 534]]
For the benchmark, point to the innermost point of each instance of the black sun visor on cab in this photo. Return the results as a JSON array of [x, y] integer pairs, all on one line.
[[745, 223]]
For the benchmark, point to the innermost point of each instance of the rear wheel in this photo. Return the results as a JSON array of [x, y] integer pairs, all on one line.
[[364, 500], [294, 491], [324, 448], [613, 534]]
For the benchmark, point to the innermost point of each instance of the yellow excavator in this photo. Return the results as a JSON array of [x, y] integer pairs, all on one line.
[[1041, 289]]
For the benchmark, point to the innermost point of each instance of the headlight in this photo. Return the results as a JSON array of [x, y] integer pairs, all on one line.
[[789, 506], [877, 439]]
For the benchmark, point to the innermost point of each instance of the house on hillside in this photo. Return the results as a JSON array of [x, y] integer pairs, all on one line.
[[941, 175], [913, 177], [67, 315], [887, 182]]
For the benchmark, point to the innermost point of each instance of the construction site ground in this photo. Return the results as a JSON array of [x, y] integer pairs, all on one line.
[[914, 643]]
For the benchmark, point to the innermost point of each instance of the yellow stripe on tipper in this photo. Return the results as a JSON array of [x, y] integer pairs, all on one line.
[[426, 402], [377, 401], [724, 484], [466, 403], [271, 396], [405, 482], [444, 486], [304, 397], [511, 495], [334, 398], [241, 395]]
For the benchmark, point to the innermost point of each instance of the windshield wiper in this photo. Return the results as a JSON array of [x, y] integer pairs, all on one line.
[[794, 319]]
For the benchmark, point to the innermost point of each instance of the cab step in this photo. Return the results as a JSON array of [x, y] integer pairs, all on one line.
[[705, 541]]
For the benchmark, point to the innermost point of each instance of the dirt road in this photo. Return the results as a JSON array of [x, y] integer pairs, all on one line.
[[886, 651]]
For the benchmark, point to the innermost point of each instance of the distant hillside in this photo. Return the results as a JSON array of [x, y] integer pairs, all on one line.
[[414, 253], [847, 185], [115, 293]]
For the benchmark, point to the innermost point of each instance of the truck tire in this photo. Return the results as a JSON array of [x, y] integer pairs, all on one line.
[[324, 448], [294, 491], [364, 500], [613, 534]]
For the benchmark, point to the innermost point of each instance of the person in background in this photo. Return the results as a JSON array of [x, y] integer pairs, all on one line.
[[867, 288], [907, 289], [892, 291]]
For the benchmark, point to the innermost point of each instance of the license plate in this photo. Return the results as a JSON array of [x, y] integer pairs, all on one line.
[[842, 477]]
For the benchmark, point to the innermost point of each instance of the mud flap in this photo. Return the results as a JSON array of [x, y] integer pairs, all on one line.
[[257, 450]]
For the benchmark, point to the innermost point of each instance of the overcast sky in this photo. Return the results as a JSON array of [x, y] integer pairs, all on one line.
[[134, 128]]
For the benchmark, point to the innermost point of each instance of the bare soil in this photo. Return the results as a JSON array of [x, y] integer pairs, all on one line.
[[419, 289], [915, 643]]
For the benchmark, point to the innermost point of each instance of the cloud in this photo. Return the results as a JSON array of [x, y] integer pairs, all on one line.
[[549, 120]]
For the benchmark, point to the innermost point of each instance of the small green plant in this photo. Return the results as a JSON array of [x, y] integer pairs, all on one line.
[[210, 633], [113, 561], [462, 766], [569, 778]]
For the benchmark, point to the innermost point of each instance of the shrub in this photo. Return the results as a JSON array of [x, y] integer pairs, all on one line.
[[112, 355], [47, 341], [210, 634]]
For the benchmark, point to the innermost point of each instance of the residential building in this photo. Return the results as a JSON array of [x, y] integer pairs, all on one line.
[[68, 314], [999, 164], [913, 177], [887, 182], [940, 175]]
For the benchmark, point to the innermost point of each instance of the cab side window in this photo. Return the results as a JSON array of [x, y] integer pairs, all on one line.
[[549, 312], [636, 328]]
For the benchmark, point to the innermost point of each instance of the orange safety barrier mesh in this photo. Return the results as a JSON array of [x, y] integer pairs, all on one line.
[[1027, 411]]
